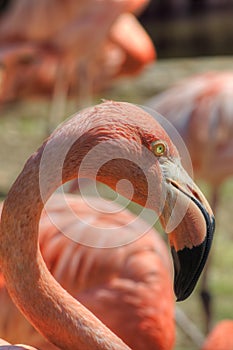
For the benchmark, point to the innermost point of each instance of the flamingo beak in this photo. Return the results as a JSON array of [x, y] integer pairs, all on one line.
[[189, 222]]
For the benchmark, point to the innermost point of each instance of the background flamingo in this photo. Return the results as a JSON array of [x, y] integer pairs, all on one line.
[[221, 337], [64, 321], [72, 47], [128, 288], [201, 109]]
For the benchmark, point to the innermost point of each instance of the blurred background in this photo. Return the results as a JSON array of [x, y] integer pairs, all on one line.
[[190, 28], [51, 65]]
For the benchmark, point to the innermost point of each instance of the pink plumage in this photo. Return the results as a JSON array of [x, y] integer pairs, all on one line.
[[221, 337], [129, 288], [135, 272], [62, 45], [201, 108]]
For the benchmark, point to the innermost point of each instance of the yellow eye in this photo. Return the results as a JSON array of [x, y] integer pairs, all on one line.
[[158, 147]]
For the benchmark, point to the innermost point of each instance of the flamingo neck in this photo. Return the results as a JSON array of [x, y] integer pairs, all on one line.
[[53, 312]]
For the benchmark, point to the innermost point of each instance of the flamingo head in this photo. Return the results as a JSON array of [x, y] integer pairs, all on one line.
[[125, 143]]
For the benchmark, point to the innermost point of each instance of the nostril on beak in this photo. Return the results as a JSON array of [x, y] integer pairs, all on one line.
[[196, 195]]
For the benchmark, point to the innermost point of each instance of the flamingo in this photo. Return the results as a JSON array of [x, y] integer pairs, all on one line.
[[135, 148], [221, 337], [54, 51], [200, 108], [128, 288]]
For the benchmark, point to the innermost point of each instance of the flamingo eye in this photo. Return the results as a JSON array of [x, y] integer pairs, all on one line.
[[158, 148]]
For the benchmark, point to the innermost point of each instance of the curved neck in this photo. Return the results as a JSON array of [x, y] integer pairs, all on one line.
[[52, 311]]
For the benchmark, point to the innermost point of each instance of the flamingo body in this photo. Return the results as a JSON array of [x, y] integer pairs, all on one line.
[[129, 288], [201, 109], [56, 46], [220, 337]]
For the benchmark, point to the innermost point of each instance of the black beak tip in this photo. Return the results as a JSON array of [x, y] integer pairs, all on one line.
[[189, 263], [183, 295]]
